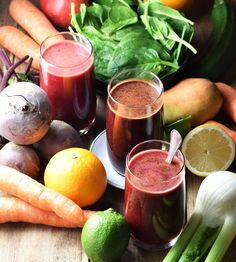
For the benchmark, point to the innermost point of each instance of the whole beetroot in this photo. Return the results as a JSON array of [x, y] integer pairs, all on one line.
[[59, 136], [25, 113], [21, 157]]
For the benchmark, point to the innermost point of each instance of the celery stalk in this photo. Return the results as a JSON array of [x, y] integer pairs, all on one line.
[[184, 238], [212, 226], [223, 241], [200, 243]]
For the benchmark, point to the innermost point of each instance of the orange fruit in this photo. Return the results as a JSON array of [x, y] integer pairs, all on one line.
[[78, 174], [180, 5]]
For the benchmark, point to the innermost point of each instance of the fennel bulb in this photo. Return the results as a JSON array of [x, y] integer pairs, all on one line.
[[212, 226]]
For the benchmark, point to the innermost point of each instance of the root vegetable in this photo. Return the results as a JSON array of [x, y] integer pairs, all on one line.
[[13, 209], [19, 44], [36, 194], [59, 136], [22, 158], [25, 113], [32, 19], [229, 99], [229, 131]]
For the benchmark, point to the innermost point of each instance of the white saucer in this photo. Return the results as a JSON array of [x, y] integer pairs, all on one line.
[[98, 147]]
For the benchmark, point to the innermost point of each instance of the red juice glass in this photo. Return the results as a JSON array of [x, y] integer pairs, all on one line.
[[134, 113], [66, 75], [155, 197]]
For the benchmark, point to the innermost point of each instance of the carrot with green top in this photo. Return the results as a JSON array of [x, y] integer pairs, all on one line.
[[36, 194]]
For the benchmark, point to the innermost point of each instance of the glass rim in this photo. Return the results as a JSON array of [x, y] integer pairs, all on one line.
[[161, 142], [65, 33], [160, 84]]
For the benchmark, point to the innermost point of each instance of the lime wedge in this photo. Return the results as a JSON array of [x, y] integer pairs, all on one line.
[[183, 126]]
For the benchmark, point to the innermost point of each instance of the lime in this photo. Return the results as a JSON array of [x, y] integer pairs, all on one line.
[[208, 148], [183, 126], [105, 236]]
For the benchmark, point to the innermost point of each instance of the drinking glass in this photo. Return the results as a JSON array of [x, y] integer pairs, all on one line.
[[155, 197], [134, 113], [67, 76]]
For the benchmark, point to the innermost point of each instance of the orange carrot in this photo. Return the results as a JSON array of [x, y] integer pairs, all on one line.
[[32, 19], [229, 131], [13, 209], [19, 44], [229, 99], [33, 192]]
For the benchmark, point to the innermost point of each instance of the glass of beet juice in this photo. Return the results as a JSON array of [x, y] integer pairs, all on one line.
[[155, 198], [66, 74], [134, 113]]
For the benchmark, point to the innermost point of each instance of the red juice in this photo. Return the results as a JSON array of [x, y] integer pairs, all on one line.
[[135, 116], [154, 198], [66, 74]]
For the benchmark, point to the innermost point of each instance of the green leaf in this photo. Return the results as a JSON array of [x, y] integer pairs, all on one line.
[[97, 11], [157, 9], [131, 31], [159, 29], [104, 51], [156, 40], [105, 2], [142, 53], [119, 18]]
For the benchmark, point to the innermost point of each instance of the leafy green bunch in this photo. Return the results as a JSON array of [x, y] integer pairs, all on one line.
[[128, 34]]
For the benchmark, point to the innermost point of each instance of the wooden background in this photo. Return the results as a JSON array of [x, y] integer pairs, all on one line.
[[21, 242]]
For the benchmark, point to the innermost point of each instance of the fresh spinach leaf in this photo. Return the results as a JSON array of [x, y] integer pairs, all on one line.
[[84, 18], [105, 2], [155, 8], [104, 52], [131, 31], [139, 52], [97, 11], [159, 30], [126, 33], [119, 18]]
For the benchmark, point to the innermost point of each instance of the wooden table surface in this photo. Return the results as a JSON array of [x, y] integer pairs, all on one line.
[[21, 242]]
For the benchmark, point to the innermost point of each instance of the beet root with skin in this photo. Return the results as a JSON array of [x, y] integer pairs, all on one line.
[[59, 136], [25, 113], [20, 157]]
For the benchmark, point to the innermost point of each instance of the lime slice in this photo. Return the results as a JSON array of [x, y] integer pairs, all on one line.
[[208, 148]]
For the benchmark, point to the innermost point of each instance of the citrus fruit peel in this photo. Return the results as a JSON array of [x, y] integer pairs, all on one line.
[[78, 174]]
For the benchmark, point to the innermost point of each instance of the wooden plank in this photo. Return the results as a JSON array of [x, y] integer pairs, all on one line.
[[24, 242]]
